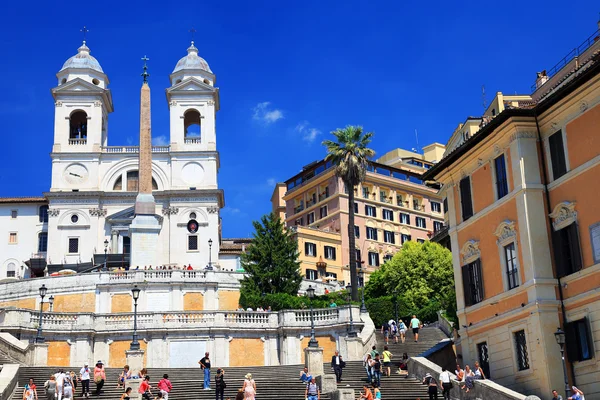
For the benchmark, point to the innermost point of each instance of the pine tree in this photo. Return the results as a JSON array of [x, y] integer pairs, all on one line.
[[271, 261]]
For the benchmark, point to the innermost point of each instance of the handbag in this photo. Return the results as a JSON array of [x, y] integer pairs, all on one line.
[[97, 379]]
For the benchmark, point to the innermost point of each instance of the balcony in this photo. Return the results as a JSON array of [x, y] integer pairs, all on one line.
[[133, 149], [192, 140], [77, 142], [298, 209], [323, 196]]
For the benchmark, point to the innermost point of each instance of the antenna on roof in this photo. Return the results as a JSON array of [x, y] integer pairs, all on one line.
[[483, 99]]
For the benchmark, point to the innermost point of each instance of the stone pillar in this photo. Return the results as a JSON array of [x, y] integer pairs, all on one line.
[[135, 360], [354, 346], [134, 384], [313, 360], [327, 383], [343, 394], [40, 354]]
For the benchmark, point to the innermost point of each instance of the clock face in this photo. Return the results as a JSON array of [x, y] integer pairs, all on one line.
[[75, 174]]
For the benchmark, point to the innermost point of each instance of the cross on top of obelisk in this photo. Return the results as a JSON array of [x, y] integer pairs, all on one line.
[[84, 30], [193, 32], [145, 74]]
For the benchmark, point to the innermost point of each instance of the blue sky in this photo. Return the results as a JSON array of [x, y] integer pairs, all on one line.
[[289, 73]]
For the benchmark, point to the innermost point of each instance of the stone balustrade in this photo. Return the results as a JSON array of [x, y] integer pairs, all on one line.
[[22, 319]]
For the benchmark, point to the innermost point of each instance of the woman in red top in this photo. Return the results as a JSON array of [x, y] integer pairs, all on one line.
[[145, 388], [99, 376]]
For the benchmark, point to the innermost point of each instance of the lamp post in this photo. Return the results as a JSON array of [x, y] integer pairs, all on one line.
[[39, 338], [351, 332], [135, 345], [560, 339], [313, 341], [105, 253], [361, 275], [51, 302], [209, 253]]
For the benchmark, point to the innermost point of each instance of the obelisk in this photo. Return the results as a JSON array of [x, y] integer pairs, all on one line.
[[145, 228]]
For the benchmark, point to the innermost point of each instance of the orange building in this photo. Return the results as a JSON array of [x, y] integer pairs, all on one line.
[[524, 228]]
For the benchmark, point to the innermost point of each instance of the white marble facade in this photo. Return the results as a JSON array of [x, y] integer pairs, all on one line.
[[93, 184]]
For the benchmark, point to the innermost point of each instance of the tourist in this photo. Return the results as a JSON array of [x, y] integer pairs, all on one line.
[[127, 394], [394, 331], [387, 360], [376, 392], [469, 379], [337, 364], [142, 374], [240, 394], [577, 394], [367, 365], [445, 383], [50, 386], [249, 387], [73, 381], [312, 391], [556, 396], [269, 309], [220, 384], [460, 373], [30, 391], [165, 386], [404, 362], [159, 396], [367, 394], [332, 304], [402, 328], [145, 388], [479, 374], [374, 352], [305, 377], [432, 386], [99, 376], [68, 387], [189, 267], [385, 330], [125, 374], [415, 324], [84, 376], [60, 380], [377, 371], [205, 365]]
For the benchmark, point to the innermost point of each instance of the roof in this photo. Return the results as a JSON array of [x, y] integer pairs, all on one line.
[[562, 89], [234, 245], [82, 60], [192, 61], [7, 200]]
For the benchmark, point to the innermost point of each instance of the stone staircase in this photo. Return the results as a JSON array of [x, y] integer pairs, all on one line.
[[273, 382]]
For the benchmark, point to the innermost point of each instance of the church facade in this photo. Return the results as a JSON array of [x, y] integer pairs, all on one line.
[[85, 216]]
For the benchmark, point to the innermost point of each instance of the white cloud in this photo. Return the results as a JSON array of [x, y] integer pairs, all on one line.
[[308, 133], [265, 113], [160, 141], [271, 182], [231, 210]]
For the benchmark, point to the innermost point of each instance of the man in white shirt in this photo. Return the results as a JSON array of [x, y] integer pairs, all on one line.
[[84, 375], [445, 383], [60, 380]]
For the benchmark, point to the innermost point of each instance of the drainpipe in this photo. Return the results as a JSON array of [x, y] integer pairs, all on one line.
[[548, 205]]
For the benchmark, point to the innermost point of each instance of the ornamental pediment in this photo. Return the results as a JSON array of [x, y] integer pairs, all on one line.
[[192, 84], [505, 232], [78, 85], [470, 251], [564, 214]]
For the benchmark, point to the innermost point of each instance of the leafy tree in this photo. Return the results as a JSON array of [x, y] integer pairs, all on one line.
[[421, 275], [271, 260], [350, 155]]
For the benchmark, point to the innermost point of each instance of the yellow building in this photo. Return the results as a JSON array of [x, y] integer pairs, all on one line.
[[324, 243], [524, 228]]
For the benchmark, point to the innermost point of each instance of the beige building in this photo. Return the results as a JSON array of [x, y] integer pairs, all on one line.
[[524, 227]]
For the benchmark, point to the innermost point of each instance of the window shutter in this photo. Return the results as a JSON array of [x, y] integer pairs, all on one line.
[[466, 285], [333, 252], [571, 342], [588, 335], [574, 249], [306, 248], [559, 260], [465, 198], [480, 280]]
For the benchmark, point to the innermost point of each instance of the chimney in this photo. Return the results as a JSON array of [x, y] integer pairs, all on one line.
[[542, 77]]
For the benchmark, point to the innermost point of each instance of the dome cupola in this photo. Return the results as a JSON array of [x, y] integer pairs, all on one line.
[[192, 61], [82, 60], [83, 66]]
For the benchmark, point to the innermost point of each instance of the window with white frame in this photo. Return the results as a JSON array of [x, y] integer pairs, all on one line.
[[371, 233], [323, 212], [310, 218], [421, 241], [370, 211], [356, 231], [310, 249], [329, 252], [405, 218], [507, 246], [437, 226], [404, 238], [312, 274], [388, 237], [11, 270], [521, 350], [512, 273], [388, 214], [373, 259], [420, 222], [12, 238], [436, 207]]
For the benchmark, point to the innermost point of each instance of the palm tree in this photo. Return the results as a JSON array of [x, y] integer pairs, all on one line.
[[350, 155]]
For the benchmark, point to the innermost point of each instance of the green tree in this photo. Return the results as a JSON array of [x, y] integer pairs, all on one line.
[[350, 155], [271, 260], [420, 274]]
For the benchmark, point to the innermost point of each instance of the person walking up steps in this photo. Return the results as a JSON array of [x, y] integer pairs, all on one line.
[[387, 360], [220, 384], [385, 330], [402, 329], [50, 386], [165, 386], [249, 387], [145, 388], [205, 365], [415, 324], [445, 383]]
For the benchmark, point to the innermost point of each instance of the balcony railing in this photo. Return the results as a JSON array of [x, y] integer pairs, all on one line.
[[298, 209], [133, 149], [193, 140], [323, 196], [77, 142]]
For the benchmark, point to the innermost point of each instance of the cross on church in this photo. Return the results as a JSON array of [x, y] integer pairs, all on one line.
[[85, 31], [192, 31], [145, 74]]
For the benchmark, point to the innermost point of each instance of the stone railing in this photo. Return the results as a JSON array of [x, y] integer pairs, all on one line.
[[77, 142], [22, 319], [192, 140], [132, 149], [13, 348], [8, 380], [446, 326]]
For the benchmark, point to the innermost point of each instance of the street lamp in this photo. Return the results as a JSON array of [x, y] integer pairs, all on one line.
[[135, 345], [39, 338], [209, 253], [105, 252], [313, 341], [351, 332], [560, 339], [361, 275], [51, 302]]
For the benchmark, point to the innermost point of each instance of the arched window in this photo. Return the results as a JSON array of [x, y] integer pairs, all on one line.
[[191, 123], [133, 181], [43, 214], [78, 125], [118, 184], [11, 270]]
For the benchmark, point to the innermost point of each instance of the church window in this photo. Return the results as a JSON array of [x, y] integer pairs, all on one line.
[[14, 213], [207, 81], [118, 184], [78, 125], [63, 81], [154, 185], [73, 245], [11, 270], [74, 218], [133, 180], [43, 213], [95, 81], [43, 242], [178, 81], [192, 242], [12, 238], [191, 123], [192, 215]]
